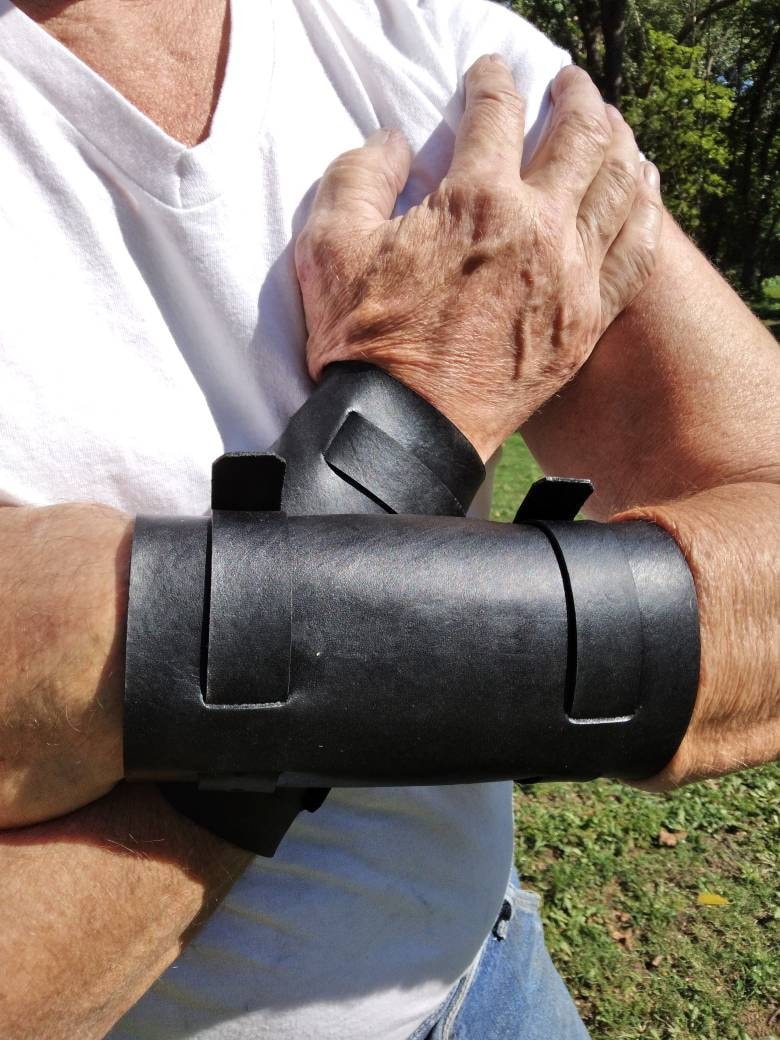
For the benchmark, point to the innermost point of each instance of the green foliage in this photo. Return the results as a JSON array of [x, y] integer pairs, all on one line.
[[557, 19], [681, 119], [767, 305], [700, 82], [516, 472]]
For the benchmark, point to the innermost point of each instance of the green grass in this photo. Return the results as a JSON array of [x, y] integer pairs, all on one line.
[[516, 471], [616, 899]]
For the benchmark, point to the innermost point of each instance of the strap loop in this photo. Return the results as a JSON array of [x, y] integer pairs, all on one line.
[[375, 462]]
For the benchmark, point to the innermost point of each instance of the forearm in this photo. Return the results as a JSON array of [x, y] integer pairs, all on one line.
[[678, 405], [63, 586], [730, 538], [94, 906], [679, 395]]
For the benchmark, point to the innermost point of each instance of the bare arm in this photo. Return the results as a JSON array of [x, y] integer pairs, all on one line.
[[676, 413], [484, 345], [65, 570], [95, 905], [680, 395]]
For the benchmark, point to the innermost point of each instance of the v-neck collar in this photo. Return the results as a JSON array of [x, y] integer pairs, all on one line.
[[179, 176]]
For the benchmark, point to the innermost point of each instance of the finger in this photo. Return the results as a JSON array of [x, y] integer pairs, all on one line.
[[609, 198], [361, 187], [489, 141], [632, 256], [573, 149]]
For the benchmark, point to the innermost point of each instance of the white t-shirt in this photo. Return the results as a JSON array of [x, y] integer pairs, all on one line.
[[150, 321]]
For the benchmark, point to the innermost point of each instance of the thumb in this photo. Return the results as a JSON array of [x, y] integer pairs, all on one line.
[[361, 187]]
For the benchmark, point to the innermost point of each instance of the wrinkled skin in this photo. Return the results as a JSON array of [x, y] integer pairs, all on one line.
[[491, 294]]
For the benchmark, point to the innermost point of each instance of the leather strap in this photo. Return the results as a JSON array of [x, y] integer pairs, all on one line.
[[367, 457], [249, 620]]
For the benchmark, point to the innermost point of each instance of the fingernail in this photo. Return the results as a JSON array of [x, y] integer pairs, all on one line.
[[378, 138], [652, 176], [499, 59]]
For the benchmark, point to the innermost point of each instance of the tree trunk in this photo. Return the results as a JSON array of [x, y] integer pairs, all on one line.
[[588, 17], [613, 27], [755, 105], [695, 18], [758, 92]]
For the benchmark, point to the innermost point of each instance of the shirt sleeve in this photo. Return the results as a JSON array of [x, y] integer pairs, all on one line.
[[468, 29]]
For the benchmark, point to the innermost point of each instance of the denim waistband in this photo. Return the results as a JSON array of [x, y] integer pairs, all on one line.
[[511, 991]]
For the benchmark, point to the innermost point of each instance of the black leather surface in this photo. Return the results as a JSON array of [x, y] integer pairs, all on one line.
[[440, 651], [269, 651], [364, 443], [361, 443], [166, 625], [249, 633]]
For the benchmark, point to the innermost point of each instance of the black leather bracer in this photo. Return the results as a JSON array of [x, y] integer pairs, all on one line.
[[271, 655]]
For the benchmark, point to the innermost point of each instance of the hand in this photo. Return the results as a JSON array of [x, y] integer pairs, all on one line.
[[491, 294]]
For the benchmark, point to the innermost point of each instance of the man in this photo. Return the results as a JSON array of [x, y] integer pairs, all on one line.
[[345, 935]]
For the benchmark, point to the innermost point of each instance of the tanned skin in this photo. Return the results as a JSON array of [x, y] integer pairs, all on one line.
[[530, 274], [167, 57], [95, 905]]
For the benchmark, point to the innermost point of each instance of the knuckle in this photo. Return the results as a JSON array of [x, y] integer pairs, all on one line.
[[623, 174], [588, 229], [590, 129], [644, 257], [504, 98], [357, 170], [611, 302], [645, 224], [343, 167], [303, 248], [652, 203], [621, 281], [384, 181], [349, 159], [312, 236], [481, 210], [347, 168], [314, 244]]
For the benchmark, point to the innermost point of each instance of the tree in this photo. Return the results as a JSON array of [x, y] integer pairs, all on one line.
[[700, 82], [681, 119]]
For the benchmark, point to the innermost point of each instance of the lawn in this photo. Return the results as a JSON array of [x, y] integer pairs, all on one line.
[[622, 875]]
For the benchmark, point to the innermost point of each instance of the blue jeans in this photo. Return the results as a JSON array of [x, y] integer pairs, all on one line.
[[512, 991]]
